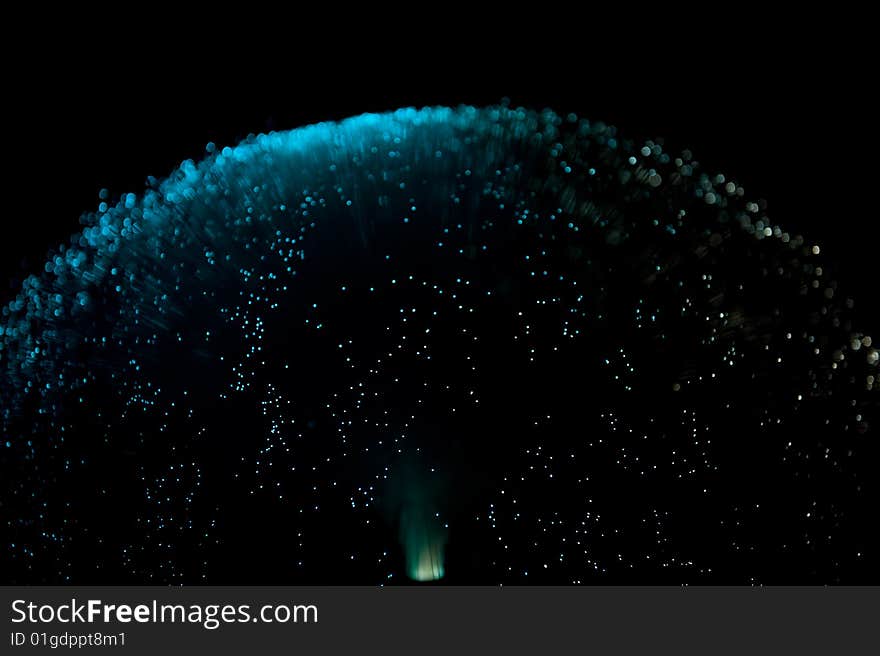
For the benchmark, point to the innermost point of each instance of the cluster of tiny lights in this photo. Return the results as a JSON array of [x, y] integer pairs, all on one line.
[[478, 345]]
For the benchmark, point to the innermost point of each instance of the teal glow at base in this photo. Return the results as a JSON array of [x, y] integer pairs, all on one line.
[[426, 564], [422, 535]]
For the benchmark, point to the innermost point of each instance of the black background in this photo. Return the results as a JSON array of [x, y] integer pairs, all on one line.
[[786, 107]]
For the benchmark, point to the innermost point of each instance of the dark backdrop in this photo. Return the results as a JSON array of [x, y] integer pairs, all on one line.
[[786, 109]]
